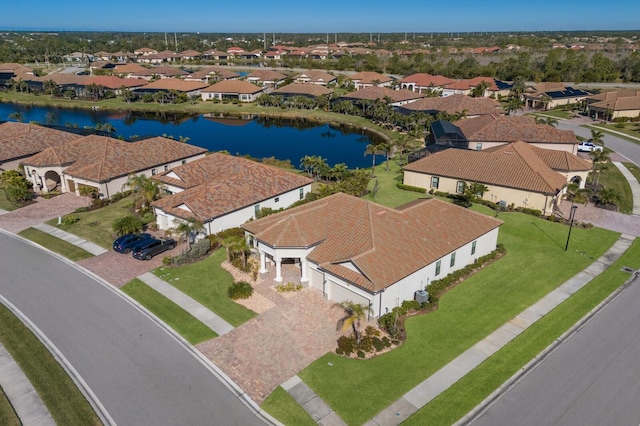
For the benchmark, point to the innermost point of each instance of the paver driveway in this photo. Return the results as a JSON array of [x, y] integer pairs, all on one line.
[[41, 211]]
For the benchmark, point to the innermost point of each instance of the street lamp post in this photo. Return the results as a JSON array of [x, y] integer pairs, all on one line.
[[571, 217]]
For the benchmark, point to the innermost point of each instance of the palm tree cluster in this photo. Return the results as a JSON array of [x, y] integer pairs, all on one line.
[[293, 102], [342, 178], [146, 191]]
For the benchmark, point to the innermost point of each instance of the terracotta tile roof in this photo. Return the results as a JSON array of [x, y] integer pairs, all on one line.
[[129, 68], [214, 52], [369, 77], [496, 128], [426, 80], [17, 68], [266, 75], [303, 89], [233, 86], [214, 71], [609, 96], [162, 70], [114, 83], [219, 184], [541, 88], [62, 79], [383, 245], [456, 103], [316, 76], [514, 165], [144, 50], [175, 84], [473, 82], [189, 53], [562, 161], [18, 140], [377, 92], [99, 158], [619, 104]]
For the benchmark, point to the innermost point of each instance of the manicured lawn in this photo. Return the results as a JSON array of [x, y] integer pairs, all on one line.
[[8, 417], [65, 402], [5, 204], [284, 408], [631, 129], [177, 318], [208, 283], [613, 178], [95, 225], [477, 385], [535, 264], [559, 113], [55, 244], [633, 169], [389, 194]]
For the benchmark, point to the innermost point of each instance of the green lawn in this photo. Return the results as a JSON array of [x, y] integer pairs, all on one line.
[[559, 113], [208, 283], [173, 315], [458, 400], [64, 400], [633, 168], [389, 194], [95, 225], [631, 129], [535, 264], [613, 178], [284, 408], [5, 204], [8, 417], [55, 244]]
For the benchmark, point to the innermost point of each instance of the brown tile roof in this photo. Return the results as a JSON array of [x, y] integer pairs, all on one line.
[[541, 88], [497, 128], [562, 161], [99, 158], [175, 84], [266, 75], [303, 89], [514, 165], [316, 76], [384, 244], [162, 70], [472, 82], [114, 83], [214, 71], [377, 92], [456, 103], [233, 86], [619, 104], [19, 140], [609, 96], [62, 79], [426, 80], [17, 68], [219, 184], [369, 77], [190, 53], [129, 68]]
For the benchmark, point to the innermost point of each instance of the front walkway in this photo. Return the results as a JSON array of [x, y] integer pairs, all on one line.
[[88, 246], [41, 211], [444, 378]]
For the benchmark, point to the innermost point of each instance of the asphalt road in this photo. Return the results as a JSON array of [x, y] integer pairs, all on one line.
[[141, 374], [591, 379], [621, 146]]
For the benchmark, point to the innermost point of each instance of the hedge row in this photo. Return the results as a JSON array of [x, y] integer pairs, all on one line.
[[412, 188]]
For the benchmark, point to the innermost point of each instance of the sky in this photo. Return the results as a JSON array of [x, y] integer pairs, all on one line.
[[328, 16]]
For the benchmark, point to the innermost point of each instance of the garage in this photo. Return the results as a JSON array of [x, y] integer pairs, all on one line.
[[338, 293]]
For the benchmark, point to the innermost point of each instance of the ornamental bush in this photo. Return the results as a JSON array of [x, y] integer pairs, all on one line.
[[240, 290]]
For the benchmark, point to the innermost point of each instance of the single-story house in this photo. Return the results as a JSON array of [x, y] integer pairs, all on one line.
[[550, 95], [384, 94], [64, 82], [191, 88], [19, 141], [517, 173], [215, 55], [160, 57], [473, 107], [309, 90], [612, 105], [223, 191], [354, 250], [211, 75], [370, 79], [145, 51], [422, 82], [232, 89], [126, 70], [320, 77], [494, 87], [105, 163], [190, 55], [161, 72], [111, 82], [266, 78]]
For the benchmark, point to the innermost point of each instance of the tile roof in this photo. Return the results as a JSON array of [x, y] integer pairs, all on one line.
[[175, 84], [129, 68], [456, 103], [384, 244], [233, 86], [426, 80], [377, 92], [162, 70], [516, 165], [369, 77], [316, 76], [219, 184], [609, 96], [470, 83], [266, 75], [497, 128], [18, 140], [17, 68], [218, 72], [114, 83], [100, 158], [619, 104], [303, 89], [62, 79]]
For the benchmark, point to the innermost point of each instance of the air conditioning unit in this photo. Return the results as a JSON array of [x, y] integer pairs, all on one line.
[[421, 296]]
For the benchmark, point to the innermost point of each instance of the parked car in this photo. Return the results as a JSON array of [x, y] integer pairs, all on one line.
[[589, 147], [149, 248], [125, 243]]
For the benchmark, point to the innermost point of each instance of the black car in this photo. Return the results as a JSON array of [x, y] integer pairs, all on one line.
[[149, 248], [125, 243]]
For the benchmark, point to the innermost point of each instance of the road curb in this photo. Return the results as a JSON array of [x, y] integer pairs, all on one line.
[[488, 402]]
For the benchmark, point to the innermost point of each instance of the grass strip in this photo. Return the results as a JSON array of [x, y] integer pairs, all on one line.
[[55, 244], [612, 178], [173, 315], [8, 416], [284, 408], [59, 393]]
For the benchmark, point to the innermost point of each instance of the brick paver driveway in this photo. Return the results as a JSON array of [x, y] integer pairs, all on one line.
[[118, 269], [41, 211], [614, 221]]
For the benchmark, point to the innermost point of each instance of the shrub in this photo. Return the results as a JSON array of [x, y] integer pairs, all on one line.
[[120, 195], [532, 212], [412, 188], [346, 344], [97, 203], [230, 233], [378, 344], [240, 290], [339, 351], [288, 287], [166, 260], [147, 218], [411, 305], [195, 253], [50, 194], [360, 354], [70, 219], [128, 224], [81, 209]]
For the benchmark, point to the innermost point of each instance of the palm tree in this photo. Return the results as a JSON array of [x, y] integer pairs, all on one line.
[[50, 87], [353, 315], [87, 191], [479, 90], [545, 100], [597, 137], [608, 196], [513, 104], [146, 190], [372, 150], [190, 229], [551, 121], [518, 87]]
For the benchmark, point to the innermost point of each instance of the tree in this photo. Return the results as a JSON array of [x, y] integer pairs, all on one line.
[[597, 137], [127, 94], [50, 87], [608, 196], [372, 150], [88, 191], [353, 315], [128, 224], [513, 104], [190, 229], [16, 187], [17, 116], [236, 246], [474, 191], [146, 190], [551, 121], [479, 90], [518, 88]]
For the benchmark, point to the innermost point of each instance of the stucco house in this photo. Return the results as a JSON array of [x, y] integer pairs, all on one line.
[[105, 163], [308, 90], [549, 95], [352, 249], [370, 79], [232, 89], [612, 105], [223, 191], [320, 77], [494, 87], [423, 82], [266, 78], [473, 107], [383, 94], [191, 88], [517, 173]]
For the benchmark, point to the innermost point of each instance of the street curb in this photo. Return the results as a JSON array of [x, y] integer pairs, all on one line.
[[488, 402]]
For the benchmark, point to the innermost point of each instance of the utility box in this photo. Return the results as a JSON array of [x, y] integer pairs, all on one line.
[[421, 296], [502, 204]]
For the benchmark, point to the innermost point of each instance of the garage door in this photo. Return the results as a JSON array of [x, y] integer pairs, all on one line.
[[316, 279], [338, 293]]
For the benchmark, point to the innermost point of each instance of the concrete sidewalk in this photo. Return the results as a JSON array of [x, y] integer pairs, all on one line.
[[92, 248], [195, 308], [444, 378], [633, 183], [315, 406], [25, 401]]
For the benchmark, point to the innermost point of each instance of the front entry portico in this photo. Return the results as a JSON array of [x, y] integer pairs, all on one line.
[[278, 260]]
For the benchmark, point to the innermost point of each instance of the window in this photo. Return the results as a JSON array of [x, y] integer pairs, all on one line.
[[301, 193], [257, 209], [438, 263], [478, 146], [453, 259], [435, 182], [460, 187], [277, 199], [166, 167], [473, 248], [153, 172]]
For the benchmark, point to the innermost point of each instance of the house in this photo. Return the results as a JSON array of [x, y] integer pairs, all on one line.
[[472, 107], [22, 140], [369, 79], [254, 54], [232, 89], [105, 163], [191, 88], [160, 57], [424, 83], [302, 89], [127, 70], [190, 55], [76, 57], [158, 72], [494, 87], [235, 51], [64, 82], [114, 83], [145, 51], [384, 94], [550, 95], [320, 77], [517, 173], [612, 105], [223, 191], [215, 55], [212, 74], [266, 78], [354, 250]]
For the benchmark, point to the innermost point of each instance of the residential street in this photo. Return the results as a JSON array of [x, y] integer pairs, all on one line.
[[138, 371]]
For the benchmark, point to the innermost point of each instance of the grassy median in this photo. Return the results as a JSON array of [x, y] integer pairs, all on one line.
[[55, 244]]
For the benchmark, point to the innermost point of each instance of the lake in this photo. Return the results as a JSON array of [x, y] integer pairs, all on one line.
[[257, 137]]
